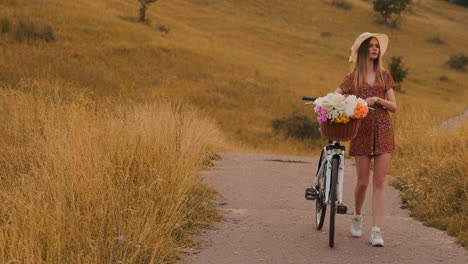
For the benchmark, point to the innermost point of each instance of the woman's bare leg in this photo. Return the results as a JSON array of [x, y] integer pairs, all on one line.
[[381, 162], [363, 172]]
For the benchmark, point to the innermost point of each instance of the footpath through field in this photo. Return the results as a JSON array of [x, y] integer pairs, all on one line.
[[267, 220]]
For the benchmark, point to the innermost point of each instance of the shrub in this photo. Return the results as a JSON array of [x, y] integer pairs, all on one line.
[[297, 126], [398, 71], [436, 40], [48, 34], [444, 78], [27, 30], [342, 4], [164, 29], [387, 8], [4, 25], [326, 34], [460, 2], [458, 62]]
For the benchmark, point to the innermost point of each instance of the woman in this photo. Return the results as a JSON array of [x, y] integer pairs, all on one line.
[[370, 81]]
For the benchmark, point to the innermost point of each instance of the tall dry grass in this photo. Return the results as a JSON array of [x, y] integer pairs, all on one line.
[[433, 172], [84, 182]]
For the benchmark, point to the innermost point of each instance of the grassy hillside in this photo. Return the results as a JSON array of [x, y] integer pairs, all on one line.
[[242, 62]]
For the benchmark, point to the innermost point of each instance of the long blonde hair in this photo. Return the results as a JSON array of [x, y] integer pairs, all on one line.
[[360, 65]]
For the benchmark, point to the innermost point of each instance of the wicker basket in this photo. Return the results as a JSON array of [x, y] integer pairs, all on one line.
[[340, 132]]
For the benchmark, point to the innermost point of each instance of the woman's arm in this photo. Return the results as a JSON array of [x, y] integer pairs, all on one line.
[[390, 103]]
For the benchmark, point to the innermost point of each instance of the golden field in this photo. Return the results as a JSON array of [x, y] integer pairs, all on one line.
[[89, 183], [92, 130]]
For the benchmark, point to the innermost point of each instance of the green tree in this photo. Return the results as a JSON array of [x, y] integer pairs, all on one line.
[[398, 71], [387, 8], [144, 6], [460, 2]]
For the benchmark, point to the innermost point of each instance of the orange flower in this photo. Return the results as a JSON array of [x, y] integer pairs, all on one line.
[[360, 111]]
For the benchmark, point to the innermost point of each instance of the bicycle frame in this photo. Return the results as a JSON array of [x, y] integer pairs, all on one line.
[[333, 149]]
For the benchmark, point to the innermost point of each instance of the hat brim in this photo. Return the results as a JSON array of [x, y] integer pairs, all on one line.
[[383, 43]]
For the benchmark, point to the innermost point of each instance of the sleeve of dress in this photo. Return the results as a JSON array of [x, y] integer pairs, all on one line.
[[389, 82], [347, 84]]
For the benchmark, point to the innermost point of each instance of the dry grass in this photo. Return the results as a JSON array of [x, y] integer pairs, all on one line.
[[433, 173], [88, 183]]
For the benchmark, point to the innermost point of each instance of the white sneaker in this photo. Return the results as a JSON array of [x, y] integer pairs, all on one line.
[[356, 226], [376, 237]]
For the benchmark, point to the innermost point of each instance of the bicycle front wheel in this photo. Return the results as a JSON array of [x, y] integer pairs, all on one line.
[[334, 180], [320, 210], [320, 205]]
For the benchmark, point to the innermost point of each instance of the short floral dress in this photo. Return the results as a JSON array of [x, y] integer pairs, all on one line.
[[375, 135]]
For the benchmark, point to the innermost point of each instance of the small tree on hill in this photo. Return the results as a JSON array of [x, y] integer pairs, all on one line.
[[460, 2], [398, 71], [387, 8], [144, 6]]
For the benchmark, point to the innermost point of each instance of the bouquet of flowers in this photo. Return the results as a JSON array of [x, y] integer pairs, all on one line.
[[340, 108]]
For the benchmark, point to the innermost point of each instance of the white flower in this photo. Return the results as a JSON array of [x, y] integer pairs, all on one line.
[[349, 108], [363, 102], [350, 105], [338, 105]]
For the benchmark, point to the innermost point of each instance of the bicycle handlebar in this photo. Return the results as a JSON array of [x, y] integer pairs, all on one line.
[[308, 98]]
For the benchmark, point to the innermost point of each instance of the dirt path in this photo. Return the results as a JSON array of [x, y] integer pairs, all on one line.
[[452, 122], [267, 220]]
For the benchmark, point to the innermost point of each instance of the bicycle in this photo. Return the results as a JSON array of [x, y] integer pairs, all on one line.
[[327, 188]]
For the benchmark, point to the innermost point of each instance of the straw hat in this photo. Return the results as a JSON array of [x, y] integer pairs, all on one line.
[[383, 42]]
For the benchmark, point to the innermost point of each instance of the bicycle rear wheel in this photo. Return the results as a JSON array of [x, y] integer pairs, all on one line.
[[334, 180]]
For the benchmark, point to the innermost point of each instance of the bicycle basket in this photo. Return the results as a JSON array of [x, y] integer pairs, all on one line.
[[340, 132]]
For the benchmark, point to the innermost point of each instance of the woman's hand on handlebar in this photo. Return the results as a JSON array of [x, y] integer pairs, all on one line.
[[371, 101]]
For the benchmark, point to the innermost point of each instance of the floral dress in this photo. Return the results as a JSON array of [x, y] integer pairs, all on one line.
[[375, 135]]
